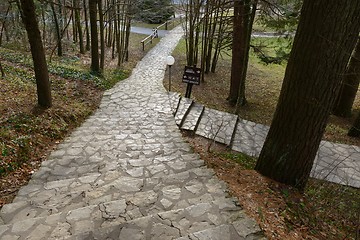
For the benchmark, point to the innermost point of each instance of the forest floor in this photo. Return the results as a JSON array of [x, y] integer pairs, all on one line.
[[28, 134]]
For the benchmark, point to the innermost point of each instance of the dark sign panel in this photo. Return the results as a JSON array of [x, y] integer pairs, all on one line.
[[192, 75]]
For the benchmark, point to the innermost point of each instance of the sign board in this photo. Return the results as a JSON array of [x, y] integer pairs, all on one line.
[[191, 75]]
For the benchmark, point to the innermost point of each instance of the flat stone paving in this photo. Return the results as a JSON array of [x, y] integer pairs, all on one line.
[[127, 174], [334, 162]]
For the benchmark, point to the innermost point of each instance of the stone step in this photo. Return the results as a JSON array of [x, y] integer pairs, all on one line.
[[64, 164], [338, 163], [242, 229], [169, 225], [182, 110], [249, 137], [117, 219], [192, 120], [217, 125], [164, 191], [174, 101]]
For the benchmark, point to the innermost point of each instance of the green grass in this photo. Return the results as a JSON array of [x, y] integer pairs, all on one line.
[[242, 159], [66, 67]]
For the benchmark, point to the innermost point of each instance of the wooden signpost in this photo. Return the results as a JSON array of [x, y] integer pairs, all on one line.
[[191, 76]]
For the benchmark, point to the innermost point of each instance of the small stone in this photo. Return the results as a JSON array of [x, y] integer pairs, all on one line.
[[172, 192], [23, 226], [79, 214], [114, 209], [199, 209], [40, 232], [166, 203], [133, 234]]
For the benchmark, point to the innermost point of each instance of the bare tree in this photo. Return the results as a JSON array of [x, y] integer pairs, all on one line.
[[37, 51], [95, 66], [350, 85]]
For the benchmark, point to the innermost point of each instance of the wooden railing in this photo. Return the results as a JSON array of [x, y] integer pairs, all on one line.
[[149, 39], [154, 34]]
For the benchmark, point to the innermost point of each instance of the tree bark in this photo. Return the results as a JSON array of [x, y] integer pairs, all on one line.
[[37, 52], [326, 36], [248, 22], [57, 28], [95, 67], [350, 85], [87, 47], [355, 129], [102, 36], [238, 53], [2, 70], [78, 25]]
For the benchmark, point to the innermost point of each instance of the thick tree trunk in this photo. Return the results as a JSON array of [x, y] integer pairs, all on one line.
[[355, 129], [38, 53], [95, 67], [350, 85], [326, 36]]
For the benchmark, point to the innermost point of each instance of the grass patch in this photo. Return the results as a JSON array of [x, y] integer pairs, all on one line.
[[65, 67], [242, 159]]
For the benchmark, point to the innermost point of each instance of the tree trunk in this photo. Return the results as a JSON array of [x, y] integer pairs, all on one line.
[[238, 53], [355, 129], [248, 22], [43, 18], [57, 28], [3, 26], [127, 38], [78, 25], [74, 26], [87, 47], [38, 53], [102, 36], [190, 57], [95, 67], [350, 85], [2, 70], [326, 35]]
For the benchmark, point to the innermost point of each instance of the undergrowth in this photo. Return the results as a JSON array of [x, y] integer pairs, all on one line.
[[326, 210], [65, 67]]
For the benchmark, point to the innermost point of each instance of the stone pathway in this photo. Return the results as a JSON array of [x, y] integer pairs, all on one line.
[[334, 162], [127, 174]]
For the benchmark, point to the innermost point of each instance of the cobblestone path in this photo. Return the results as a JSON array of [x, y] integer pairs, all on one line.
[[127, 174]]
